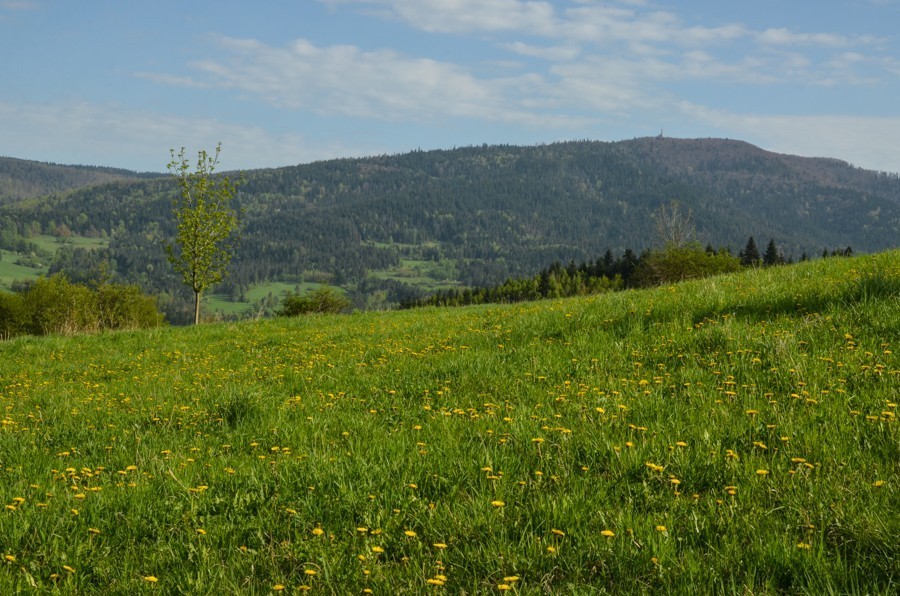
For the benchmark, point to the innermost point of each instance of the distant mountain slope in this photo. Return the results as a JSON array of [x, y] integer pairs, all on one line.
[[491, 212], [23, 179]]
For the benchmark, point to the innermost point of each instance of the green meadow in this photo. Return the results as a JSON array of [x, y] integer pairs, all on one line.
[[736, 434]]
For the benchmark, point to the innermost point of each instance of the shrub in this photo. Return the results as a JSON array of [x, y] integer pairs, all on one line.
[[13, 315], [676, 264], [55, 305], [323, 300]]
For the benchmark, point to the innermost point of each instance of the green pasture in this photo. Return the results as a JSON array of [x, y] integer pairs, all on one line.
[[731, 435], [10, 272], [53, 243], [220, 303]]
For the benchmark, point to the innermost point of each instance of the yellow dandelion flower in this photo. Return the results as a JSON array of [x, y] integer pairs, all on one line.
[[878, 483], [551, 549], [151, 578], [278, 587], [410, 533], [201, 531], [69, 569], [310, 571], [498, 503], [762, 472], [511, 579], [10, 558], [439, 545], [504, 587], [377, 549], [557, 532], [93, 530], [317, 531], [608, 533]]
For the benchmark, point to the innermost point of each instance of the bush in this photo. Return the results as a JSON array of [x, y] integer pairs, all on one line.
[[54, 305], [676, 264], [125, 307], [323, 300], [13, 315]]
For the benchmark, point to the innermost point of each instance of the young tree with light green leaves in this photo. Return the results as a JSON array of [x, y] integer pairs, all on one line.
[[207, 223]]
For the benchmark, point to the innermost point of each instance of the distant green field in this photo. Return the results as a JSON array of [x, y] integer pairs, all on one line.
[[53, 243], [732, 435], [221, 303], [10, 272], [414, 273]]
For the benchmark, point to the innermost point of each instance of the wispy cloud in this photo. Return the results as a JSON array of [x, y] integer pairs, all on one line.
[[49, 132], [381, 84], [18, 5], [856, 139]]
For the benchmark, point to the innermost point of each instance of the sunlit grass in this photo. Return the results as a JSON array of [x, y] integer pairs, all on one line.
[[736, 434]]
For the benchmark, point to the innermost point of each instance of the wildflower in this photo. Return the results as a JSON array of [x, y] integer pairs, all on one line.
[[435, 581], [410, 533], [310, 571], [498, 503], [10, 558], [661, 528], [278, 587], [511, 579], [762, 472], [317, 531], [557, 532], [439, 545], [377, 549], [504, 587], [150, 578], [608, 533], [69, 569], [201, 531]]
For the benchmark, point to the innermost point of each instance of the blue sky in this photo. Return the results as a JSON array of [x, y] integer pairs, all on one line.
[[278, 83]]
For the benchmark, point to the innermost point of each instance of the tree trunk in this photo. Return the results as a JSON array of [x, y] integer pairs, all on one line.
[[196, 308]]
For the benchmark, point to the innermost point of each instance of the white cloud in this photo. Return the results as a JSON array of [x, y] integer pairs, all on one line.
[[19, 5], [93, 133], [381, 84], [868, 142], [562, 53], [463, 16], [783, 36]]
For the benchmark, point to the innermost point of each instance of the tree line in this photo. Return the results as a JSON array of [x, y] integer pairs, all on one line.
[[679, 261]]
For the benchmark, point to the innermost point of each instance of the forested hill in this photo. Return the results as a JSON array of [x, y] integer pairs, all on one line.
[[23, 179], [482, 214]]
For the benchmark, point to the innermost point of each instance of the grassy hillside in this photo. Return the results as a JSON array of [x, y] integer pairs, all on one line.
[[736, 434]]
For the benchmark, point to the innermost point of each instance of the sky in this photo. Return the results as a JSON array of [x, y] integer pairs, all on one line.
[[277, 82]]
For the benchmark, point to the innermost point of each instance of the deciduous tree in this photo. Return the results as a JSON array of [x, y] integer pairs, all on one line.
[[206, 223]]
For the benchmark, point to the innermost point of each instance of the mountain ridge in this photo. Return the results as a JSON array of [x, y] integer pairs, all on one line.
[[485, 213]]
